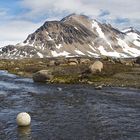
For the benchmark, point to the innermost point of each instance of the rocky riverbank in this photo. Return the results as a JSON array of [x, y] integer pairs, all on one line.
[[77, 70]]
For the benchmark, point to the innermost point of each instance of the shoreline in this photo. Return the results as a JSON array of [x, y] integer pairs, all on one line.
[[113, 74]]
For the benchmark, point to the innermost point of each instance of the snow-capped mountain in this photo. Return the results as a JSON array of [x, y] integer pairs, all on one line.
[[76, 36], [133, 35]]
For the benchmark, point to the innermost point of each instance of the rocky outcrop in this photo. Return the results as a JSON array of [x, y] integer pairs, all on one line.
[[42, 76], [138, 60]]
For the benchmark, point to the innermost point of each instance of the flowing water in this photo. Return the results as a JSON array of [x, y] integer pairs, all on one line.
[[67, 112]]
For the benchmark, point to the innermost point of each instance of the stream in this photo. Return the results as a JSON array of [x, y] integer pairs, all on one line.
[[67, 112]]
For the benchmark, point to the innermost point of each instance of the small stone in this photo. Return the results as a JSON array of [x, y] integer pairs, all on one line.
[[90, 83], [59, 89], [99, 87], [23, 119]]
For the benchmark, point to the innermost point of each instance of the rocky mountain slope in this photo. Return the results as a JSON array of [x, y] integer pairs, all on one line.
[[132, 35], [76, 36]]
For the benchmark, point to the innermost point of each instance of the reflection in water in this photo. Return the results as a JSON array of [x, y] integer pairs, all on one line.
[[24, 133], [68, 112]]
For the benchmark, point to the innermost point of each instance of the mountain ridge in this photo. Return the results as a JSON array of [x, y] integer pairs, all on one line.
[[76, 36]]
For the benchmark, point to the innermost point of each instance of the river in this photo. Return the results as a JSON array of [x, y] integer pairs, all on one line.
[[67, 112]]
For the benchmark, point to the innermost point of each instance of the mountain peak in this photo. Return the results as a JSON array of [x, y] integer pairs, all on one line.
[[74, 16], [76, 36], [129, 30]]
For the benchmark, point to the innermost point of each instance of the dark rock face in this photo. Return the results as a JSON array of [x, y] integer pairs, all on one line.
[[8, 48], [138, 60], [132, 30], [59, 32], [73, 36]]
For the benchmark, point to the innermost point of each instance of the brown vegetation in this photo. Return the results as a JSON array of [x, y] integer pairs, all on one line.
[[113, 73]]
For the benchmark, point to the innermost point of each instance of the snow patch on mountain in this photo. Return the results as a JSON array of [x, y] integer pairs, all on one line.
[[132, 35], [111, 54], [50, 39], [135, 38], [79, 52], [100, 32], [64, 53], [40, 54], [92, 48], [76, 28], [129, 50], [93, 54], [59, 46], [137, 43]]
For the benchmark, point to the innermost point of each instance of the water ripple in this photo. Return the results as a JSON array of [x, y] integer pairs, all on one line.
[[68, 112]]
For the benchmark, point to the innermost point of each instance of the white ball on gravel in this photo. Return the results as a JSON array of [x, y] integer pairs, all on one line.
[[23, 119]]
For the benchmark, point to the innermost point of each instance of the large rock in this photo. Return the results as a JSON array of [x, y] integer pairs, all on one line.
[[73, 61], [42, 76], [97, 66]]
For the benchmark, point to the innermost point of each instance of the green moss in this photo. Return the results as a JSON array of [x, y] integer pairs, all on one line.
[[65, 79]]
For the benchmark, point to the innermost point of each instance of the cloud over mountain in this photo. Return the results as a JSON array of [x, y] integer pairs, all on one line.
[[118, 13]]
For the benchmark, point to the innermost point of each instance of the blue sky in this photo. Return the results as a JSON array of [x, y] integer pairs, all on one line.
[[18, 18]]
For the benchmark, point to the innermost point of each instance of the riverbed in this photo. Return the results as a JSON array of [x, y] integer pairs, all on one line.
[[67, 112]]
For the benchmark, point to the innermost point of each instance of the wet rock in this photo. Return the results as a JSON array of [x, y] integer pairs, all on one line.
[[42, 76], [59, 89]]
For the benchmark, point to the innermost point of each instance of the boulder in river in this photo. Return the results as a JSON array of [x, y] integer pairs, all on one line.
[[42, 76]]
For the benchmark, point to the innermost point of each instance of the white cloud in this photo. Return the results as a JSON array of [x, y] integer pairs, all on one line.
[[13, 32], [39, 8], [117, 8], [3, 12], [15, 28]]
